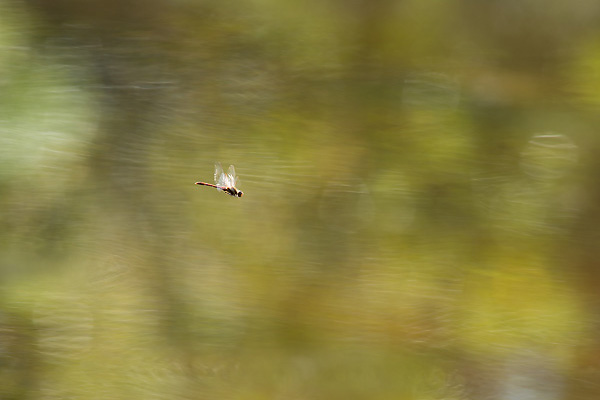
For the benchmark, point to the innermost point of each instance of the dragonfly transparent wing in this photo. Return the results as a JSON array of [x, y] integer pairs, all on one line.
[[220, 176], [232, 176]]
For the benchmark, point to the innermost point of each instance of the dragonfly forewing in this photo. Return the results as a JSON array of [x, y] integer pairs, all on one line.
[[231, 176], [218, 172], [220, 176]]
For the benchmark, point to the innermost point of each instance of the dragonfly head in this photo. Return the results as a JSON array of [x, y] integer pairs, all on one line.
[[240, 193]]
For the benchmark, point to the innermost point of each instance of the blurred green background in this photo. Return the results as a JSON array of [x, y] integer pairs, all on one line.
[[421, 217]]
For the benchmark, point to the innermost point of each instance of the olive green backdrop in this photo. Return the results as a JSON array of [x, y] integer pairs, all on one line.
[[421, 212]]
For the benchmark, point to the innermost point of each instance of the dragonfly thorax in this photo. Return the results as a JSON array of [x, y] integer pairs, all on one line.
[[233, 191]]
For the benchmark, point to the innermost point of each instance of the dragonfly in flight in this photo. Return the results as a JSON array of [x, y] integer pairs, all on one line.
[[224, 182]]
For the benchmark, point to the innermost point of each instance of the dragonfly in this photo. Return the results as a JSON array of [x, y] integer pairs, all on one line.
[[224, 182]]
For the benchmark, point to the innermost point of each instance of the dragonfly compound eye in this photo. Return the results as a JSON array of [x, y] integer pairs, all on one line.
[[240, 194]]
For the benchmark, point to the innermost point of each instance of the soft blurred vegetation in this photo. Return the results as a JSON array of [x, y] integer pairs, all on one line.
[[421, 217]]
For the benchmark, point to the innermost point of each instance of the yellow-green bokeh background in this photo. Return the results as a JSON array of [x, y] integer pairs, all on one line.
[[421, 208]]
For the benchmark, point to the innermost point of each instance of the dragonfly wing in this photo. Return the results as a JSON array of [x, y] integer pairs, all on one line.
[[231, 176], [218, 171], [220, 177]]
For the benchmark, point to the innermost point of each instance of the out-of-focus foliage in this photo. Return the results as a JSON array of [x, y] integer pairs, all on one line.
[[421, 208]]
